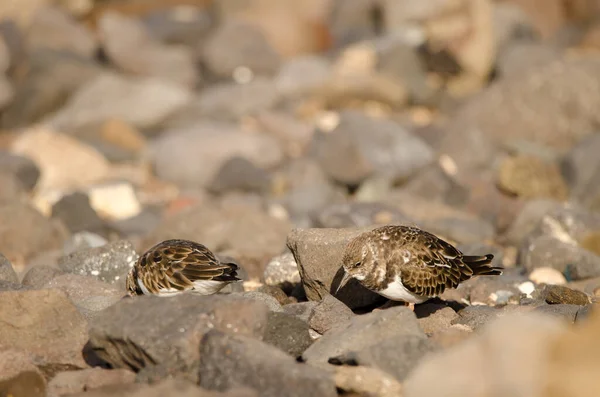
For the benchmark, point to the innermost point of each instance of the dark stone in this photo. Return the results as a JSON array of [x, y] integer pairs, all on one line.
[[477, 316], [239, 173], [78, 215], [288, 333], [562, 311], [328, 314], [559, 294], [26, 171]]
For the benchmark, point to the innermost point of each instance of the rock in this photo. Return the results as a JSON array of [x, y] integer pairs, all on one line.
[[115, 201], [521, 56], [268, 300], [360, 146], [559, 294], [365, 332], [232, 101], [282, 271], [227, 361], [563, 312], [526, 107], [25, 384], [89, 295], [238, 173], [287, 333], [318, 253], [141, 102], [529, 218], [359, 214], [7, 273], [294, 134], [167, 26], [54, 76], [71, 382], [16, 367], [302, 310], [65, 163], [507, 358], [130, 47], [205, 148], [236, 44], [580, 168], [275, 292], [75, 211], [547, 275], [366, 381], [26, 232], [25, 170], [38, 276], [52, 28], [434, 318], [109, 263], [452, 336], [46, 325], [530, 177], [476, 317], [302, 76], [82, 241], [11, 187], [330, 313], [125, 334]]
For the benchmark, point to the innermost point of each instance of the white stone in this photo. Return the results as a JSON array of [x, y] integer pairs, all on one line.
[[547, 275], [115, 201]]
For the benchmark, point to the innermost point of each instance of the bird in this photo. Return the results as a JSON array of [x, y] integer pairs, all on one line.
[[410, 265], [175, 266]]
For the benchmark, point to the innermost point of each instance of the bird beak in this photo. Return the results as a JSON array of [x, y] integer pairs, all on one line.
[[345, 279]]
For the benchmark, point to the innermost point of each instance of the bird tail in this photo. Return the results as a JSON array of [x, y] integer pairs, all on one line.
[[481, 265], [230, 273]]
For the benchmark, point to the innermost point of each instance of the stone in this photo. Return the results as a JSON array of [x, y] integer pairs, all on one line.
[[25, 170], [14, 363], [115, 201], [275, 292], [559, 294], [236, 44], [204, 148], [521, 56], [530, 177], [89, 294], [11, 187], [528, 219], [140, 102], [38, 276], [25, 384], [475, 317], [268, 300], [72, 382], [328, 314], [77, 214], [287, 333], [7, 272], [53, 28], [435, 318], [508, 357], [547, 275], [374, 330], [302, 75], [82, 241], [65, 163], [302, 310], [109, 263], [360, 146], [360, 214], [26, 232], [46, 325], [563, 312], [282, 271], [130, 47], [318, 253], [580, 168], [366, 381], [126, 334], [232, 360], [238, 173]]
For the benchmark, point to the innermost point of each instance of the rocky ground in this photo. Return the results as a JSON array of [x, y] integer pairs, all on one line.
[[272, 132]]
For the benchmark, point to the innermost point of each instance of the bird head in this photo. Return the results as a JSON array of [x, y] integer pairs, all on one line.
[[354, 261]]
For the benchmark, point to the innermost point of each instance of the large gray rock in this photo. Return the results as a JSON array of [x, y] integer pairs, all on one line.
[[150, 332], [328, 314], [227, 361], [7, 273], [288, 333], [318, 253]]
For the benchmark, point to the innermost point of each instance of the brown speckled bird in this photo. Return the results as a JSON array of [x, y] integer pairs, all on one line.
[[407, 264], [175, 266]]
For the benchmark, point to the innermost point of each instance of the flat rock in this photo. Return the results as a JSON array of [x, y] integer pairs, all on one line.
[[109, 263], [128, 335], [476, 317], [559, 294], [72, 382], [234, 360], [46, 325], [328, 314], [564, 312], [268, 300], [318, 253], [287, 333]]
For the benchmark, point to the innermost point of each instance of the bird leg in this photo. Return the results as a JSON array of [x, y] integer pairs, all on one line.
[[391, 303]]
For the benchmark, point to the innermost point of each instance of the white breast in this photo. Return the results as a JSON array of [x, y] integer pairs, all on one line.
[[396, 291], [201, 287]]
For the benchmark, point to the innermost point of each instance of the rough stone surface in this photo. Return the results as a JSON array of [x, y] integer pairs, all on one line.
[[38, 276], [559, 294], [328, 314], [227, 361], [282, 271], [71, 382], [7, 273], [288, 333]]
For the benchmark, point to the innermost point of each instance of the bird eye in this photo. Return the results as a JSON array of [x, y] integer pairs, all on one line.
[[357, 264]]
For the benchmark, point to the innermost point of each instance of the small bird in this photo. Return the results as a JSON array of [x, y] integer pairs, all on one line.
[[404, 263], [175, 266]]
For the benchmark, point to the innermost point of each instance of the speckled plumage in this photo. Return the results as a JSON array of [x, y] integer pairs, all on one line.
[[175, 266], [409, 264]]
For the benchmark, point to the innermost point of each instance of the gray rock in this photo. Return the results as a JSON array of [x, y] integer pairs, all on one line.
[[71, 382], [82, 241], [318, 253], [330, 313], [167, 26], [227, 361], [282, 271], [364, 332], [529, 219], [235, 44], [129, 45], [559, 294], [302, 75], [238, 173], [25, 170], [275, 292], [302, 310], [359, 214], [109, 263], [561, 311], [76, 212], [360, 146], [38, 276], [585, 312], [287, 333], [7, 273], [522, 56], [271, 302], [126, 334], [580, 168], [434, 318], [476, 317]]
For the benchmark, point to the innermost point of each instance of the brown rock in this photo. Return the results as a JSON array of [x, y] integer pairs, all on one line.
[[559, 294], [367, 381], [14, 362], [71, 382], [530, 177], [25, 384], [45, 324], [435, 318]]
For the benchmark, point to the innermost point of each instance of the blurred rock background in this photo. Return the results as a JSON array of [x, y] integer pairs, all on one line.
[[231, 122]]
